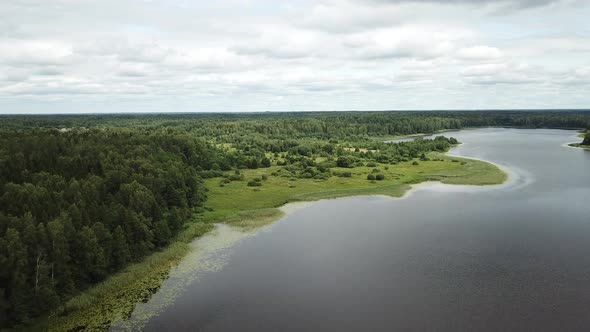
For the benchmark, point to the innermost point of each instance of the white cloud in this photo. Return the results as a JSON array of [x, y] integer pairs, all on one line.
[[313, 55], [479, 53], [34, 52]]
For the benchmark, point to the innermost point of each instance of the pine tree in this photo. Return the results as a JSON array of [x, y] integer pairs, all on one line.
[[120, 249], [16, 263]]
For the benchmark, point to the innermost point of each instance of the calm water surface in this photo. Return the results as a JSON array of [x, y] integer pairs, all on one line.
[[445, 258]]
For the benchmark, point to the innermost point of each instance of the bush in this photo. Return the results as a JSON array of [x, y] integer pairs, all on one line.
[[371, 177], [345, 162], [346, 175], [265, 162], [371, 164], [264, 177], [415, 163], [236, 177], [380, 177], [210, 174], [253, 183]]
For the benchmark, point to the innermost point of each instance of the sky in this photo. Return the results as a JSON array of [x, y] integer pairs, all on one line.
[[86, 56]]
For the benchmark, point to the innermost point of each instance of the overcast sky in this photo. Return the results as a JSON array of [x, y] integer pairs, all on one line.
[[268, 55]]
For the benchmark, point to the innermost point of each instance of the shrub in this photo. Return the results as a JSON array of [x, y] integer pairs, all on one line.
[[321, 176], [380, 177], [345, 161], [253, 183], [264, 177], [265, 162], [415, 163], [371, 164], [210, 174], [236, 177], [371, 177], [346, 175]]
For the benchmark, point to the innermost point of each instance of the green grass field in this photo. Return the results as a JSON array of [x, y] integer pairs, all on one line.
[[237, 199]]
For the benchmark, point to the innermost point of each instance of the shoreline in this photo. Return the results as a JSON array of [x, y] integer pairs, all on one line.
[[577, 144], [511, 177], [91, 312]]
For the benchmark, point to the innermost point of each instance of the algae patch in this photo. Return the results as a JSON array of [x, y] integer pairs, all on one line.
[[208, 254]]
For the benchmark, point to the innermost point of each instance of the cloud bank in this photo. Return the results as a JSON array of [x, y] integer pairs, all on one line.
[[261, 55]]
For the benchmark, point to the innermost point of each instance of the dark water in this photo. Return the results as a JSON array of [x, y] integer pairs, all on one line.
[[514, 257]]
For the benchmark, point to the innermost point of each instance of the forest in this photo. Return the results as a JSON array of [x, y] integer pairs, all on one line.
[[83, 196]]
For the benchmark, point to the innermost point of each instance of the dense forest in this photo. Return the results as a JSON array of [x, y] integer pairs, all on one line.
[[82, 196]]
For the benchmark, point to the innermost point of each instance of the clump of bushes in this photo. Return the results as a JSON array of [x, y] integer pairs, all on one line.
[[371, 177], [346, 175], [236, 177], [345, 161], [415, 163], [253, 183], [379, 177], [371, 164]]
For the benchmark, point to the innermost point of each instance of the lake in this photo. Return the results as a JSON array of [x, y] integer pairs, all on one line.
[[444, 258]]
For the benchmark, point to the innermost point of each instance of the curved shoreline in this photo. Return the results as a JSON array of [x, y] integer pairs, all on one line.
[[249, 222], [511, 179]]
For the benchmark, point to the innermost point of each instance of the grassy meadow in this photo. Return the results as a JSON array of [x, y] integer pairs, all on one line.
[[228, 202]]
